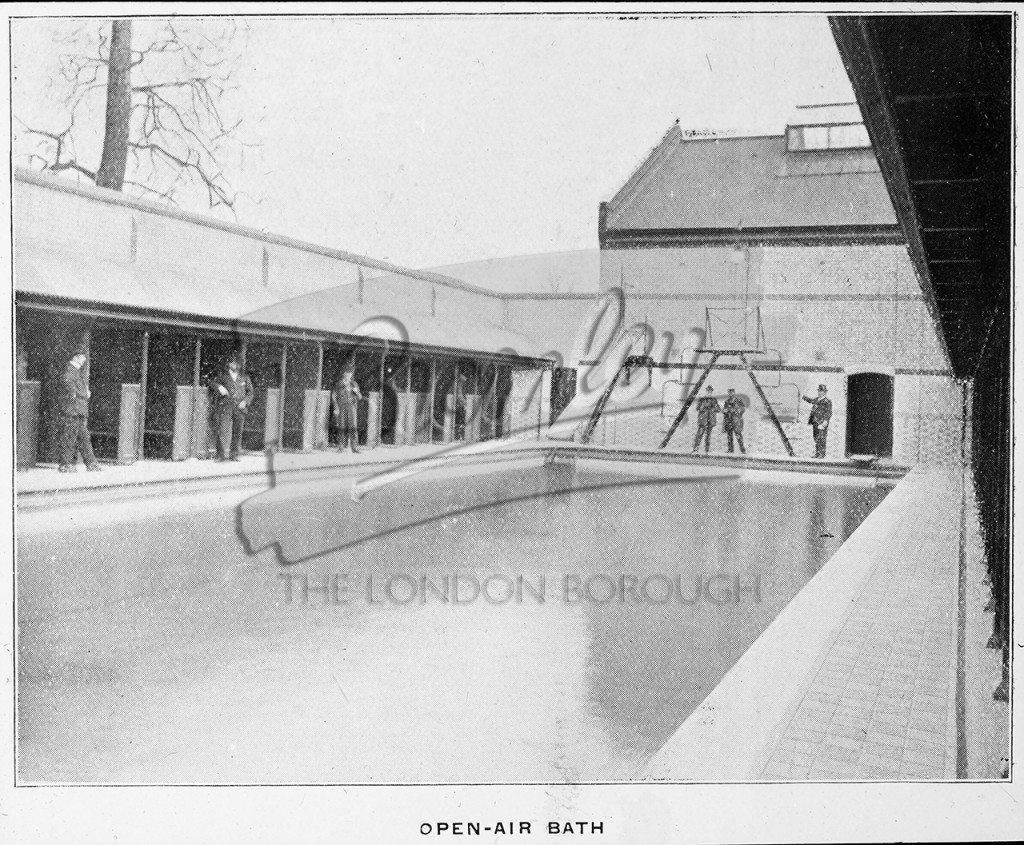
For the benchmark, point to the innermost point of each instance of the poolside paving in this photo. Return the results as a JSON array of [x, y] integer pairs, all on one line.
[[856, 680], [40, 481], [881, 704]]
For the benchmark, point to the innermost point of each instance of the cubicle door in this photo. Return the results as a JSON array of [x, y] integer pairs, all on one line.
[[301, 374], [170, 365], [263, 366]]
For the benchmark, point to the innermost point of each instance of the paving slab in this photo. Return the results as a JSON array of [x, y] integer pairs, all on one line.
[[869, 648]]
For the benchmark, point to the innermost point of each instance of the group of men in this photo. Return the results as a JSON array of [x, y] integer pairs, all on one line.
[[708, 410], [234, 398], [232, 391]]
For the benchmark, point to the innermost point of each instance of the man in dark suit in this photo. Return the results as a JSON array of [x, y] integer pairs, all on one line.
[[821, 413], [75, 437], [732, 419], [708, 410], [234, 396], [344, 401]]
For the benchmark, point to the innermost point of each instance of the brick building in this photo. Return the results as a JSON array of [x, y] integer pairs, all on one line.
[[788, 245]]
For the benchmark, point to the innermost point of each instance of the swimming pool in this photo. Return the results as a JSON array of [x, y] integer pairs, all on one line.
[[528, 623]]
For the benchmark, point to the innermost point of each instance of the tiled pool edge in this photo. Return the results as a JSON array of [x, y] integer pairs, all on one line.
[[737, 730]]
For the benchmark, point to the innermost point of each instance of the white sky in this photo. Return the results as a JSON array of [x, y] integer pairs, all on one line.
[[436, 140]]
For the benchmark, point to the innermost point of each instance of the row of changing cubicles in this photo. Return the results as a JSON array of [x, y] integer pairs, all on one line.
[[151, 397]]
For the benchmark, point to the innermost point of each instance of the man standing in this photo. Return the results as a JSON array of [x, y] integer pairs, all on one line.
[[821, 413], [732, 419], [344, 398], [707, 415], [234, 395], [75, 435]]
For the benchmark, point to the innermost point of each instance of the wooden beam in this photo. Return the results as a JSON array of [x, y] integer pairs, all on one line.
[[950, 181], [143, 379], [433, 388], [694, 391], [944, 96], [944, 229], [767, 405], [284, 389]]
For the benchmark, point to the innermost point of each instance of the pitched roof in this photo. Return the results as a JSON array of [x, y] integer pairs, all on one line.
[[161, 289], [72, 270], [157, 288], [333, 310], [748, 183], [577, 271]]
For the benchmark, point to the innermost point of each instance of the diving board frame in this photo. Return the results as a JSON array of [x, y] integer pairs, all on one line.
[[695, 392], [645, 361]]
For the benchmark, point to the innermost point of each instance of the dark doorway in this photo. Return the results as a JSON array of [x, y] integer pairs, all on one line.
[[488, 396], [46, 342], [466, 391], [869, 415], [171, 364], [337, 358], [367, 375], [396, 380], [444, 401], [502, 389], [214, 353], [365, 368], [302, 373], [563, 389], [420, 370], [263, 366], [115, 358]]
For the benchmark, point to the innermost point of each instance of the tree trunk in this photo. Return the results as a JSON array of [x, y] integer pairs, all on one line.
[[119, 108]]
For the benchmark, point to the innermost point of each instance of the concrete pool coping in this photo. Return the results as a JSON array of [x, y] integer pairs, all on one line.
[[43, 486], [856, 677]]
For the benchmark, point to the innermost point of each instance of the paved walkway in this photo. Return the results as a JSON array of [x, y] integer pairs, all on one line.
[[45, 478], [881, 705], [855, 680]]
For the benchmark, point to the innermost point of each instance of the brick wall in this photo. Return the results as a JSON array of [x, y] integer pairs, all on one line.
[[826, 312], [761, 271]]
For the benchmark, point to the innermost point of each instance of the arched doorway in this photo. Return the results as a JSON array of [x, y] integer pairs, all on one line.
[[869, 414]]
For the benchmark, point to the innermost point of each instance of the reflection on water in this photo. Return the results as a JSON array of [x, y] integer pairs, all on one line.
[[175, 657]]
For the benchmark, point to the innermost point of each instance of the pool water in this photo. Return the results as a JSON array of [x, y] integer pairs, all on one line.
[[539, 624]]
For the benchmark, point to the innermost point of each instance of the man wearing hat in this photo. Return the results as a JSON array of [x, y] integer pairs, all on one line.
[[821, 413], [75, 435], [234, 396], [732, 419], [707, 411], [344, 401]]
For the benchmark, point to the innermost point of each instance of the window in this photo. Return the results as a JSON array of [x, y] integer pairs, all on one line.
[[842, 136]]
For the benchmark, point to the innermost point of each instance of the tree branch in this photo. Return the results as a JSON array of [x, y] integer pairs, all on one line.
[[177, 133]]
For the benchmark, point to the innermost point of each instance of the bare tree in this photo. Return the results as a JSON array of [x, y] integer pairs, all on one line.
[[165, 133]]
